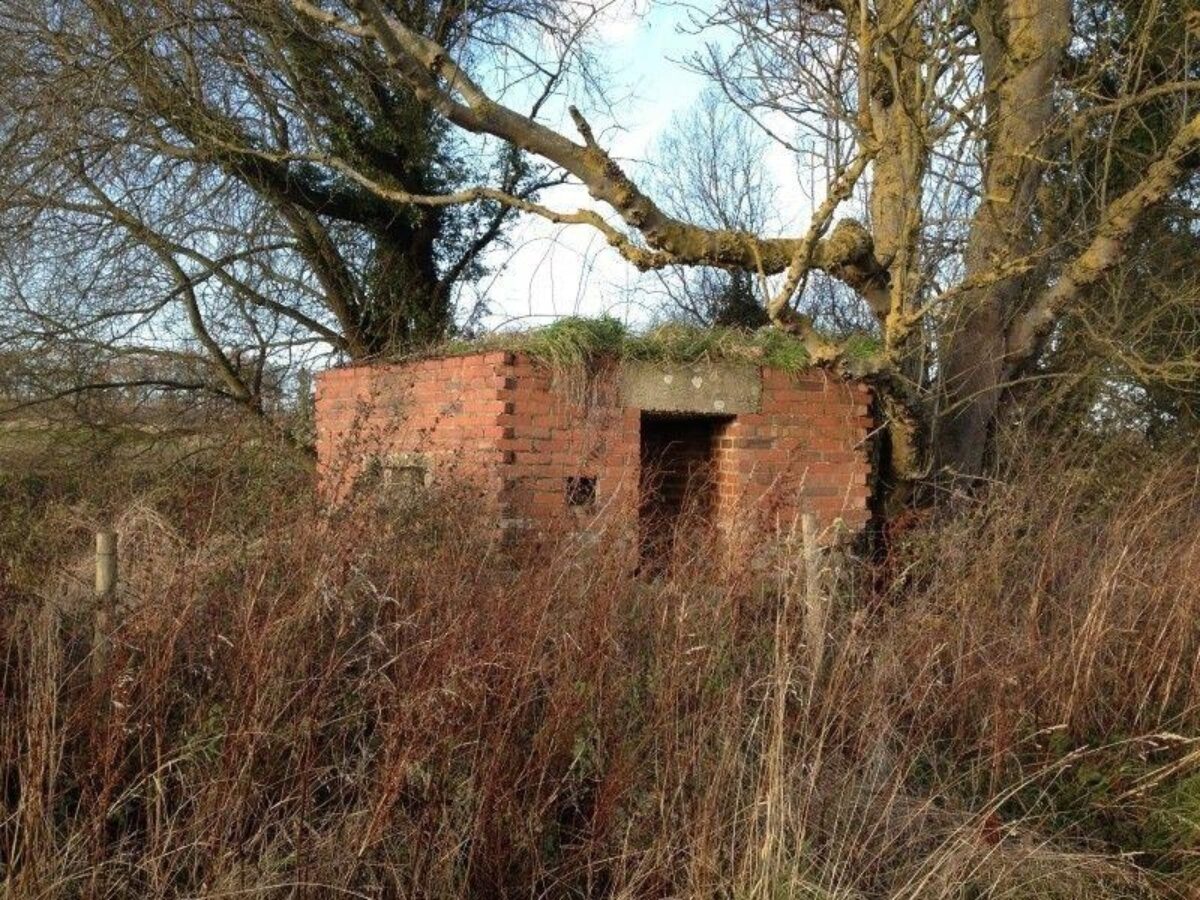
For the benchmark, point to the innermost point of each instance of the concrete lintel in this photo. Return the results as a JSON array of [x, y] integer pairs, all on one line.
[[695, 388]]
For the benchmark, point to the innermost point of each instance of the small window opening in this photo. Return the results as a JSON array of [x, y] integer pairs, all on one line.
[[391, 479], [581, 490]]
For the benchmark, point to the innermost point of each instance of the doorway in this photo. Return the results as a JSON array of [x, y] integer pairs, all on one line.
[[678, 483]]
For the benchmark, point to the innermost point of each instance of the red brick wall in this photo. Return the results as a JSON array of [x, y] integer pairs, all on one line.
[[563, 428], [517, 434], [805, 451], [447, 412]]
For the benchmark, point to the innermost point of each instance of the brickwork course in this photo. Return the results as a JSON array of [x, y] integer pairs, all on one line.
[[554, 451]]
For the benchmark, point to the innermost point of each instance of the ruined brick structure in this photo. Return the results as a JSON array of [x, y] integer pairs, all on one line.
[[552, 453]]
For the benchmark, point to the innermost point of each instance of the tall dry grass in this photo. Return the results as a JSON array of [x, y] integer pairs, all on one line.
[[357, 704]]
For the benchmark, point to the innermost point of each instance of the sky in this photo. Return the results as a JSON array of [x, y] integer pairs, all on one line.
[[552, 271]]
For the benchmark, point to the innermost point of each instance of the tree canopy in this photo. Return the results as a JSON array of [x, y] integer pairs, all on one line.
[[182, 183]]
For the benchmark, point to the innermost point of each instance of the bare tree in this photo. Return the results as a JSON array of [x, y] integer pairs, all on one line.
[[953, 120], [237, 180], [182, 180], [708, 168]]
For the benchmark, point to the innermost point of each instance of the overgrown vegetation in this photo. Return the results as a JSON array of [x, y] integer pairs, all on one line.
[[303, 703], [575, 342]]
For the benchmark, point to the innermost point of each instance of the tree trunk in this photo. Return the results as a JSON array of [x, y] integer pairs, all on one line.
[[1021, 43], [972, 380], [406, 306]]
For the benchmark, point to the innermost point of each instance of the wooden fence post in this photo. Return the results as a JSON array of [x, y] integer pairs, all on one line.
[[816, 604], [106, 593]]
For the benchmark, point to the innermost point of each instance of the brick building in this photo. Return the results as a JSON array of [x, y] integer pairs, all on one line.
[[622, 443]]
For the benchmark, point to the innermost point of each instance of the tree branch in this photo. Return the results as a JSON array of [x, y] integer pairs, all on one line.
[[428, 70], [802, 262], [1105, 250]]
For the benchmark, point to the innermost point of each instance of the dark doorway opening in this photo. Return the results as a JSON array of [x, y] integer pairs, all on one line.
[[678, 481]]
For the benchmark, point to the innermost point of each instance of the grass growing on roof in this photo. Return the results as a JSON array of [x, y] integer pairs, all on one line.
[[574, 341]]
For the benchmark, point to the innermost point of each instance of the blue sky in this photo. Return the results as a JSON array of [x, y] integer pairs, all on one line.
[[555, 271]]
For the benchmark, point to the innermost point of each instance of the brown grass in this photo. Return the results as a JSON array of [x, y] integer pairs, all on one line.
[[311, 705]]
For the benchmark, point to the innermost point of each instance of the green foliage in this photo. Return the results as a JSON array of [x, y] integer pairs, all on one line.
[[860, 347], [1174, 822], [575, 342], [1138, 796]]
